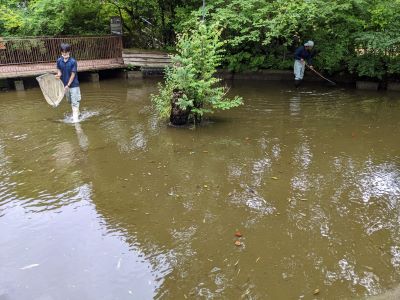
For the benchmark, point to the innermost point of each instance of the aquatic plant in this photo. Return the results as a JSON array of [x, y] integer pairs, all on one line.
[[191, 87]]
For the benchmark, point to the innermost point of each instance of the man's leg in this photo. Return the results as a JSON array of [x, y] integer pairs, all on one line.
[[298, 72], [75, 101]]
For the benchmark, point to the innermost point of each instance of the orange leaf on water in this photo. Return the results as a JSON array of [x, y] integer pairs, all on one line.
[[237, 233]]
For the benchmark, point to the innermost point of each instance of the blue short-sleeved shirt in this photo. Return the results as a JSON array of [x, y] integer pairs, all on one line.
[[66, 69]]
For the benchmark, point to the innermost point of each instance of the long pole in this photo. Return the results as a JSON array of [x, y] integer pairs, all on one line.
[[320, 75]]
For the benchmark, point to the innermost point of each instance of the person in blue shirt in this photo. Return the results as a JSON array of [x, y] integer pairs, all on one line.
[[67, 71], [302, 55]]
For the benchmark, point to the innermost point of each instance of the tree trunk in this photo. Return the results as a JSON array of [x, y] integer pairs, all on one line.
[[178, 115]]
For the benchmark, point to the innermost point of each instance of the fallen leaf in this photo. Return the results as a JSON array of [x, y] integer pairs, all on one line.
[[275, 178], [238, 243], [316, 292], [237, 233]]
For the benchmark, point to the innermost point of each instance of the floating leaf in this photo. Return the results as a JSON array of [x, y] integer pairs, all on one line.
[[275, 178], [238, 234], [238, 243]]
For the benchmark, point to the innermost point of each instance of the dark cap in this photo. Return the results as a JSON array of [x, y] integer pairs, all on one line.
[[65, 47]]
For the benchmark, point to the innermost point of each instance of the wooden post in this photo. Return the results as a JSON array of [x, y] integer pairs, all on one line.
[[19, 85], [134, 74], [94, 77]]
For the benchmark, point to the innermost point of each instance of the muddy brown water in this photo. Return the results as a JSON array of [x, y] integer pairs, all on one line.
[[122, 206]]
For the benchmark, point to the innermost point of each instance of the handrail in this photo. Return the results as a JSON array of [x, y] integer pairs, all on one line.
[[26, 50]]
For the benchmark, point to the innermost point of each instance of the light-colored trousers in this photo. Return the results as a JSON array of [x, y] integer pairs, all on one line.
[[74, 96], [299, 69]]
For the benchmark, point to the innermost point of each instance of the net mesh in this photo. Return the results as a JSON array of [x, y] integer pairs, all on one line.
[[52, 88]]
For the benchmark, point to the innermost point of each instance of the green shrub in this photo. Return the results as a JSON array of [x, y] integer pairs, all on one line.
[[199, 53]]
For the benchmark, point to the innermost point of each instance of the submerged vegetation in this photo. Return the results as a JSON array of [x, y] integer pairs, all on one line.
[[352, 36]]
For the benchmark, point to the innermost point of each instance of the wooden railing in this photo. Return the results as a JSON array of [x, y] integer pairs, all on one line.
[[36, 50]]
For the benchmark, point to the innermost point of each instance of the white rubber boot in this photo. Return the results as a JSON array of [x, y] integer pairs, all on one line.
[[75, 114]]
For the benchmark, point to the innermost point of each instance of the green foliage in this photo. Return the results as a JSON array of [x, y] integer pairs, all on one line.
[[377, 48], [12, 17], [367, 66], [52, 17], [199, 53], [258, 33], [273, 29], [67, 17], [130, 67]]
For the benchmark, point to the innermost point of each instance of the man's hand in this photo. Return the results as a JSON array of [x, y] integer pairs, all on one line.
[[302, 61], [66, 88], [311, 67], [58, 76]]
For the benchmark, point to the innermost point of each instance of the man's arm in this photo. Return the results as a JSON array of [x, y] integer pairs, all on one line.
[[73, 74], [58, 75], [71, 78]]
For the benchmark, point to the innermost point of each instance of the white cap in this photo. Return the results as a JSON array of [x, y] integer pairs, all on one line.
[[309, 44]]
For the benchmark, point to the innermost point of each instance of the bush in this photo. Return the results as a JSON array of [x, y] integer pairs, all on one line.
[[192, 76]]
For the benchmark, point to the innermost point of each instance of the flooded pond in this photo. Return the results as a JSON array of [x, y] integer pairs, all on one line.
[[122, 206]]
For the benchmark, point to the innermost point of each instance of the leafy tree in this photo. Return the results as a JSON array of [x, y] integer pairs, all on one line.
[[191, 88], [67, 17], [12, 16], [359, 36], [377, 47], [150, 23]]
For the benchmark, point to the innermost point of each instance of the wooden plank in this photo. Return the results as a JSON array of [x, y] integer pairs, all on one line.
[[144, 51], [145, 55], [138, 59], [134, 62], [155, 66]]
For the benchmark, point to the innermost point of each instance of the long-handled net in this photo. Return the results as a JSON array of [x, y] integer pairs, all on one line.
[[52, 88]]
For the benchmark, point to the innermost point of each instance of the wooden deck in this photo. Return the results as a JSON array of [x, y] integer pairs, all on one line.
[[146, 59], [31, 70], [141, 59]]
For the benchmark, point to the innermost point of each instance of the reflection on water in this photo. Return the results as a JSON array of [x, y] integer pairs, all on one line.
[[121, 206], [82, 138]]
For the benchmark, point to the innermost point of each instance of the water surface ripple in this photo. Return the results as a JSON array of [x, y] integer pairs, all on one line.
[[122, 206]]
